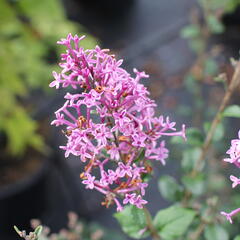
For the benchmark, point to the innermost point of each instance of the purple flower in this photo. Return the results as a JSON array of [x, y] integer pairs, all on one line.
[[137, 171], [90, 99], [114, 152], [102, 134], [231, 214], [234, 152], [123, 170], [142, 187], [57, 81], [158, 153], [120, 119], [139, 202], [129, 198], [234, 156], [228, 216], [119, 206], [89, 181], [124, 125], [59, 120], [235, 181], [140, 75], [112, 176], [108, 178], [103, 112], [139, 139]]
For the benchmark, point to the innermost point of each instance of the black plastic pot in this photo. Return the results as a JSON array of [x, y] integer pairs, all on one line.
[[22, 201], [106, 5]]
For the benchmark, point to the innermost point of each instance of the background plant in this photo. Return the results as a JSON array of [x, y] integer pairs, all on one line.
[[194, 213], [196, 197], [76, 230], [27, 55], [206, 22]]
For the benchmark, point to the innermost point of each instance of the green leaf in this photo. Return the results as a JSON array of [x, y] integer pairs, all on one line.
[[169, 188], [219, 132], [237, 237], [190, 82], [189, 159], [215, 24], [232, 111], [148, 164], [176, 140], [146, 177], [141, 156], [197, 45], [232, 5], [190, 31], [184, 110], [19, 232], [38, 230], [196, 184], [104, 152], [199, 103], [132, 221], [222, 77], [210, 67], [216, 181], [93, 111], [173, 222], [21, 132], [194, 137], [215, 232]]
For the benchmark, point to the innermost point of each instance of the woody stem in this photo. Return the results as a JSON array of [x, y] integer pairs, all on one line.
[[150, 225]]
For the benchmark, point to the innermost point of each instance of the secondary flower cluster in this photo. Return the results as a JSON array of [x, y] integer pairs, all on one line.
[[234, 158], [110, 123]]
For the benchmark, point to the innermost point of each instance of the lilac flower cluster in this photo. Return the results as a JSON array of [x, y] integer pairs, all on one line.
[[110, 123], [234, 158]]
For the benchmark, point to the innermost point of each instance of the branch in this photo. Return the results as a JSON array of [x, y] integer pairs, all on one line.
[[150, 225], [208, 140]]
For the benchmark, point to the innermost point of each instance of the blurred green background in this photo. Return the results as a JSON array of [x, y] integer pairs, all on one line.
[[28, 54]]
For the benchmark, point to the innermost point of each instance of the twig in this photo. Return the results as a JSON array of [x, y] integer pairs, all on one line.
[[150, 225], [233, 84], [195, 235], [207, 142]]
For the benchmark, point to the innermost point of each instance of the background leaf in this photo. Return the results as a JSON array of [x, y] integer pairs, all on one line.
[[190, 31], [215, 232], [189, 159], [173, 222], [194, 137], [169, 188], [196, 184], [232, 111], [214, 24], [219, 132]]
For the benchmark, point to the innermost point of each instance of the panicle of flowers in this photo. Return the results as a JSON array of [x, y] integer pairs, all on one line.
[[110, 123], [234, 158]]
